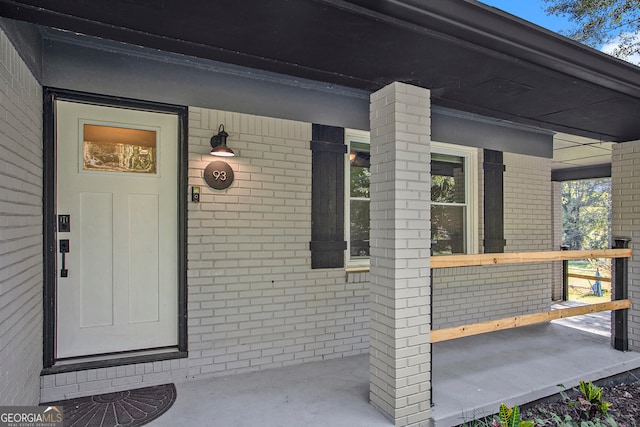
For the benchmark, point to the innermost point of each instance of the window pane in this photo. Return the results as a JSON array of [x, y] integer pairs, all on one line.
[[448, 233], [359, 228], [360, 175], [116, 149], [447, 178]]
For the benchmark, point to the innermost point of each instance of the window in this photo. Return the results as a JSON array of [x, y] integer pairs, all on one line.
[[454, 227], [453, 211], [119, 149], [357, 204]]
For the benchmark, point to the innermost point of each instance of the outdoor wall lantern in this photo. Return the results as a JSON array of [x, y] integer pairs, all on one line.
[[219, 144]]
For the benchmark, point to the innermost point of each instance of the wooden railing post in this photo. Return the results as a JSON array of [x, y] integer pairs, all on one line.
[[620, 333], [565, 275]]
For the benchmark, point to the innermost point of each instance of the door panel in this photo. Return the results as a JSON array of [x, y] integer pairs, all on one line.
[[117, 179], [94, 242], [144, 267]]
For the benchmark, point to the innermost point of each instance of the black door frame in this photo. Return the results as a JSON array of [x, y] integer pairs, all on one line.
[[49, 225]]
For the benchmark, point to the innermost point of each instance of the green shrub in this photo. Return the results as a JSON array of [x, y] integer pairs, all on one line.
[[507, 417], [589, 402], [510, 417]]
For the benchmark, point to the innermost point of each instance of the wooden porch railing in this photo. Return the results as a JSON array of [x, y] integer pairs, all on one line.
[[523, 257], [589, 277], [619, 254]]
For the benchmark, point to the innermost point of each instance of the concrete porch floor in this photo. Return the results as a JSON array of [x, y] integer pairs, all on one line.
[[471, 377]]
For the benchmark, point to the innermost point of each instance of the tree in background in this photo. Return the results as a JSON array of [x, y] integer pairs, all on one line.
[[586, 213], [601, 22]]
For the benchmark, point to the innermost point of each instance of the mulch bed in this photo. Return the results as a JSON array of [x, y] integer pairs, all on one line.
[[625, 408]]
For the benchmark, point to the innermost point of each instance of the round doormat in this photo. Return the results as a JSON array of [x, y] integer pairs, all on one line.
[[131, 408]]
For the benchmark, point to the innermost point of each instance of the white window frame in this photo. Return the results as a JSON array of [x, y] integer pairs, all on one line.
[[470, 154], [352, 135]]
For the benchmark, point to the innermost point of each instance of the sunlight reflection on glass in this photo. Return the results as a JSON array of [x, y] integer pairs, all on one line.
[[115, 149]]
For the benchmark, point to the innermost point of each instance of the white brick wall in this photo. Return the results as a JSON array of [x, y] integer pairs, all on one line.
[[625, 205], [20, 230], [254, 301], [527, 203], [476, 294]]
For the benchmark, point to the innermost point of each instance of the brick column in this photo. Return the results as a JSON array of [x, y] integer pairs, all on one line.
[[556, 239], [625, 204], [400, 360]]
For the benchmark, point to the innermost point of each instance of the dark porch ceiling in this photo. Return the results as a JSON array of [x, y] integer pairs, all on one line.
[[472, 57]]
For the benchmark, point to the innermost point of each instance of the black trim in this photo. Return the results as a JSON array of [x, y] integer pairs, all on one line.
[[473, 130], [494, 168], [327, 197], [620, 318], [130, 360], [584, 172], [49, 229], [49, 213], [183, 173]]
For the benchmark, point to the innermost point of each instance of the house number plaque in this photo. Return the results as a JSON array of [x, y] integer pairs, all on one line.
[[218, 175]]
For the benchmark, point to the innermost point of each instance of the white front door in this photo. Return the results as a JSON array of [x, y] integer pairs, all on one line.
[[117, 180]]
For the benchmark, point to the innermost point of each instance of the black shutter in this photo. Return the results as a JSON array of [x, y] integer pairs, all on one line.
[[493, 166], [327, 197]]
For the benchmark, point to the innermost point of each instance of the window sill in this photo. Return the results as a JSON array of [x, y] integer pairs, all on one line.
[[357, 269]]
